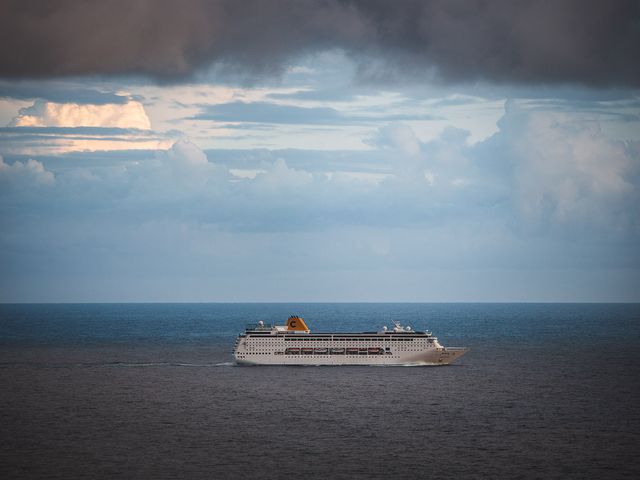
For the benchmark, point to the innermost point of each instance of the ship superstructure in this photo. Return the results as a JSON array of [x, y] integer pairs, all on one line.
[[294, 344]]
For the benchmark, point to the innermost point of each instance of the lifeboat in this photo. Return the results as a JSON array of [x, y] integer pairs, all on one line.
[[292, 351], [307, 351], [337, 351], [362, 351], [374, 350], [321, 351], [352, 351]]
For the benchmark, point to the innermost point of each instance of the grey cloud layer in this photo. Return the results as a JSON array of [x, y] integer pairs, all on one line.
[[592, 43], [59, 93], [542, 172], [264, 112], [547, 193]]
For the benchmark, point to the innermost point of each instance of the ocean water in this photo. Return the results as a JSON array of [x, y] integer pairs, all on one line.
[[151, 391]]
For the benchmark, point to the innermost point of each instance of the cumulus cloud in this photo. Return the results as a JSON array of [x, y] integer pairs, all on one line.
[[53, 128], [567, 172], [523, 197], [404, 147], [541, 173], [593, 43], [25, 174], [188, 164], [279, 175], [111, 115]]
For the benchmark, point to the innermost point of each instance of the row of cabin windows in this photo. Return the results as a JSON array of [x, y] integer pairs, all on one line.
[[349, 339], [377, 340], [326, 343], [251, 348]]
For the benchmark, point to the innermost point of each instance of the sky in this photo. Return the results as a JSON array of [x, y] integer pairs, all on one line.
[[330, 151]]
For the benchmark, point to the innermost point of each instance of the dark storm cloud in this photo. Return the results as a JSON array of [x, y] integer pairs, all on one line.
[[531, 42]]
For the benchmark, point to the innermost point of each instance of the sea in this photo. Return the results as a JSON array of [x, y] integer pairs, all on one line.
[[151, 391]]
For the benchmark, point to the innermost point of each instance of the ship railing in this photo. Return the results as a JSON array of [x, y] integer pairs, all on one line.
[[258, 326]]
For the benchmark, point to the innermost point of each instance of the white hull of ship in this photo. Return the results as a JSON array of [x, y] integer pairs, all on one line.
[[431, 356]]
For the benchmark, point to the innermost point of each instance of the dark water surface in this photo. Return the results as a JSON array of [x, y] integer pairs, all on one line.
[[150, 391]]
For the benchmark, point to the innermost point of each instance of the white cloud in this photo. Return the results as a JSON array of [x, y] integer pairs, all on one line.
[[26, 173], [404, 151], [279, 175], [398, 137], [566, 171], [188, 164], [49, 114], [510, 203], [40, 129], [541, 170], [250, 173]]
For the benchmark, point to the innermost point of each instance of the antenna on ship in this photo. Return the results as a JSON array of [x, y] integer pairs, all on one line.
[[399, 328]]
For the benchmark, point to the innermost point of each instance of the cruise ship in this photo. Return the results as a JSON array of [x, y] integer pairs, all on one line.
[[294, 344]]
